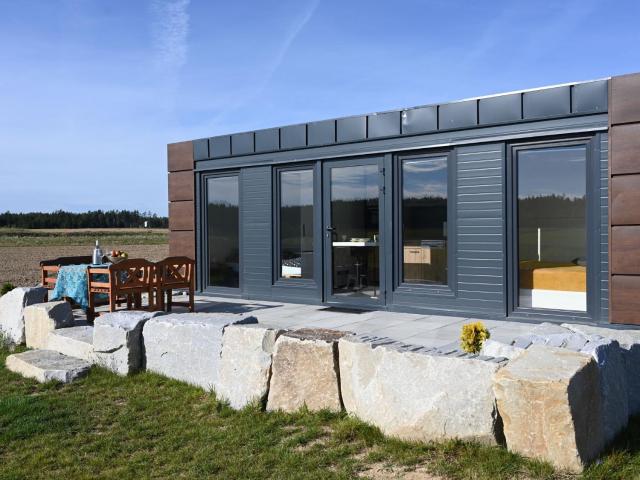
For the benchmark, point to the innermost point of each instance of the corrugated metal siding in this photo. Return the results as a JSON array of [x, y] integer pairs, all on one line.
[[480, 213], [255, 204], [604, 227]]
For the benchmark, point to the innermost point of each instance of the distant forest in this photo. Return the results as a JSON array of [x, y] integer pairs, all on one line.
[[92, 219]]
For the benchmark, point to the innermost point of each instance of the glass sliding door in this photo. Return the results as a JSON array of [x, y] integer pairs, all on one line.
[[551, 210], [353, 231], [223, 237]]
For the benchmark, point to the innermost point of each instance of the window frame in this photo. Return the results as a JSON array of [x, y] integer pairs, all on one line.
[[592, 153], [400, 286], [204, 247], [277, 279]]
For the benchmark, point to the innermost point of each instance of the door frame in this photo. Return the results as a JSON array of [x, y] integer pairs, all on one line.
[[514, 311], [383, 247]]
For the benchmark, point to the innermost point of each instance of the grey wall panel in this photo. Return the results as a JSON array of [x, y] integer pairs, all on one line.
[[458, 114], [321, 133], [293, 136], [267, 140], [550, 102], [604, 228], [500, 109], [220, 146], [351, 129], [201, 149], [242, 143], [590, 97], [384, 124], [420, 120], [481, 244], [255, 198]]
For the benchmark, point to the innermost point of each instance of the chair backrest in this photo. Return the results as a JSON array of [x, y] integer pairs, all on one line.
[[133, 274], [63, 261], [176, 272]]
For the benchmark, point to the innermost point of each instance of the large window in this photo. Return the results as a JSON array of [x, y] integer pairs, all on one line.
[[424, 220], [296, 223], [552, 234], [223, 231]]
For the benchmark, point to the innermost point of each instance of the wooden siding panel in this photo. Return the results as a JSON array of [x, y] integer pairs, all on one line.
[[180, 156], [182, 215], [625, 199], [625, 149], [625, 250], [625, 99], [625, 300], [182, 243], [181, 186]]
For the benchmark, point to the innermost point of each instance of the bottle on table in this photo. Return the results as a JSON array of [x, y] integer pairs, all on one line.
[[97, 254]]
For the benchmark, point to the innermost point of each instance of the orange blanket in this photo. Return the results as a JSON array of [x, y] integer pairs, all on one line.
[[566, 277]]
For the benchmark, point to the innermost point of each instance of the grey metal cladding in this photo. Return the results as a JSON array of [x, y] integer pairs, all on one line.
[[267, 140], [383, 124], [242, 143], [351, 129], [293, 136], [220, 146], [500, 109], [550, 102], [255, 198], [604, 227], [590, 97], [321, 133], [201, 149], [420, 120], [458, 114]]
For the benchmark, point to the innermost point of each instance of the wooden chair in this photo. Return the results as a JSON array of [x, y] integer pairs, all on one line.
[[171, 274], [126, 282], [49, 268]]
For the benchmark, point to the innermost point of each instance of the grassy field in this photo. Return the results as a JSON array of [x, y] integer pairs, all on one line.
[[13, 237], [146, 426]]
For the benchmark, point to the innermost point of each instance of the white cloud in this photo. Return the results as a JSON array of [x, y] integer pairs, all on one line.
[[170, 29]]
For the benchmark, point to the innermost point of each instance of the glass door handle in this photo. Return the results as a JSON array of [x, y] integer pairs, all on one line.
[[331, 229]]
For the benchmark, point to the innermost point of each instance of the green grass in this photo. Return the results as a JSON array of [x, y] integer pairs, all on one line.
[[147, 426], [11, 237]]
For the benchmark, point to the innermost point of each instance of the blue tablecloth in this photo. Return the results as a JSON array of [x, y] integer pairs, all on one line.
[[72, 283]]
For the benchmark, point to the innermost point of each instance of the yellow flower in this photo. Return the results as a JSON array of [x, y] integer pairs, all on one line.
[[473, 336]]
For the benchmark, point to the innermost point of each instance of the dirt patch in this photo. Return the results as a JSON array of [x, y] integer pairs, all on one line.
[[380, 471], [21, 265]]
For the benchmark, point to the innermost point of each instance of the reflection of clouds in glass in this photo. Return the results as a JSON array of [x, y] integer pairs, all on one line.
[[354, 183], [424, 178], [559, 171], [223, 191], [296, 188]]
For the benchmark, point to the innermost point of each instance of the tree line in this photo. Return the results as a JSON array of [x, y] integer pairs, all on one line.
[[91, 219]]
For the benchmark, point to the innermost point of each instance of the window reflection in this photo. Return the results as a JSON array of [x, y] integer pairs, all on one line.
[[424, 220], [296, 224], [552, 236], [223, 231]]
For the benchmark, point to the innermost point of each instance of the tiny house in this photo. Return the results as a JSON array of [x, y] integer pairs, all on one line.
[[523, 205]]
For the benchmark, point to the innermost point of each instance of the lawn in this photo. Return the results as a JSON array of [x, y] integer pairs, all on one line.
[[148, 426], [15, 237]]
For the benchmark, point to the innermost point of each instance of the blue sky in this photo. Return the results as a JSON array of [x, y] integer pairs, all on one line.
[[92, 91]]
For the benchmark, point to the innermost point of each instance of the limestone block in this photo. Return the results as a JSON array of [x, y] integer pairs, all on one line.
[[187, 346], [40, 319], [629, 340], [117, 340], [550, 403], [12, 306], [613, 384], [493, 348], [305, 371], [46, 365], [74, 342], [244, 368], [418, 394]]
